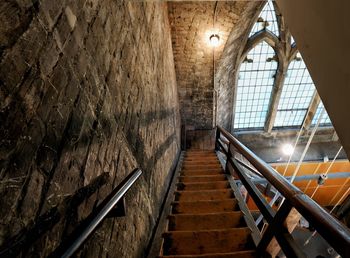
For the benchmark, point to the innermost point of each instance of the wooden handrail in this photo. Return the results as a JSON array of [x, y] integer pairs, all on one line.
[[337, 235]]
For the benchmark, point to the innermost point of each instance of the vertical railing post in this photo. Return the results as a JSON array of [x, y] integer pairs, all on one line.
[[217, 137], [228, 157]]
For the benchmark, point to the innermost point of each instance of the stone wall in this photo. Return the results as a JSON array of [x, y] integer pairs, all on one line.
[[87, 93], [192, 24], [226, 73]]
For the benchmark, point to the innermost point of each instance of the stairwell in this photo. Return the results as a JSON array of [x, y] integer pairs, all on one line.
[[205, 219]]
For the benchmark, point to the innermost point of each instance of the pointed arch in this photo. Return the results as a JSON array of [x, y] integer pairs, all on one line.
[[254, 86], [267, 20]]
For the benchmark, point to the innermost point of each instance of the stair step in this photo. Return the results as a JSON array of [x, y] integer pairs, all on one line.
[[238, 254], [196, 152], [200, 207], [201, 173], [191, 222], [206, 242], [210, 159], [201, 162], [197, 168], [203, 185], [201, 178], [202, 166], [201, 157], [203, 195]]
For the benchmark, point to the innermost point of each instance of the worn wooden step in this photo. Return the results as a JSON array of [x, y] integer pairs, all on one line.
[[238, 254], [203, 195], [199, 152], [213, 170], [201, 178], [201, 162], [194, 222], [203, 185], [209, 171], [201, 158], [194, 172], [206, 242], [198, 207], [201, 166]]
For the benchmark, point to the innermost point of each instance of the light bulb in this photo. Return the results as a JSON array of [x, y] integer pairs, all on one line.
[[287, 149], [214, 40]]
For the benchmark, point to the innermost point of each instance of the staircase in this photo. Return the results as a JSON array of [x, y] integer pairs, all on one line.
[[205, 219]]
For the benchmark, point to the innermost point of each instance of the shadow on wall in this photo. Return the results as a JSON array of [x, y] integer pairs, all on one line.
[[66, 213]]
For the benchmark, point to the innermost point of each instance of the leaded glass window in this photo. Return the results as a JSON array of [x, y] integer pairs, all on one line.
[[296, 96], [267, 20], [255, 82]]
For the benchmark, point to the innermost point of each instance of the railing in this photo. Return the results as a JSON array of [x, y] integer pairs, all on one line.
[[333, 231], [112, 206]]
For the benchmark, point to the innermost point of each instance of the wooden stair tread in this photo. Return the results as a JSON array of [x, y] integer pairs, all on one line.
[[202, 178], [203, 185], [206, 241], [238, 254], [201, 162], [203, 195], [220, 220], [202, 172], [205, 219], [207, 206], [201, 168]]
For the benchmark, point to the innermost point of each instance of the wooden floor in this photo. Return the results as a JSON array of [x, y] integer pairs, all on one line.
[[205, 220]]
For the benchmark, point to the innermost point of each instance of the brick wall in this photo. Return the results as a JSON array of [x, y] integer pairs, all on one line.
[[87, 93]]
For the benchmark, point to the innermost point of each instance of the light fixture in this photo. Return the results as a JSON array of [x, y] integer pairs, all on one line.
[[214, 40], [321, 179], [287, 149]]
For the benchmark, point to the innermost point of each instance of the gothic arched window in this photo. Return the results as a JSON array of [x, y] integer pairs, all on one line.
[[267, 20], [254, 86]]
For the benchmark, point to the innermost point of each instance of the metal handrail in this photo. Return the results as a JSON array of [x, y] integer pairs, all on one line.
[[106, 207], [337, 235]]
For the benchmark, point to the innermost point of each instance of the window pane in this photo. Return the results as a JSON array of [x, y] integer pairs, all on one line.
[[296, 96], [325, 120], [254, 86], [267, 20]]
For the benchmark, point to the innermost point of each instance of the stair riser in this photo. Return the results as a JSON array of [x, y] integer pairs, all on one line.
[[208, 170], [203, 162], [203, 186], [203, 195], [204, 207], [200, 157], [202, 173], [195, 179], [202, 242], [239, 254], [206, 221]]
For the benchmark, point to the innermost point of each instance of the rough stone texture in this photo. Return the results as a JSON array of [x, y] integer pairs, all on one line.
[[192, 23], [87, 93], [225, 77]]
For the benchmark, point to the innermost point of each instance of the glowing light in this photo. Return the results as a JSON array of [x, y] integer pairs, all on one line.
[[214, 40], [287, 149]]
